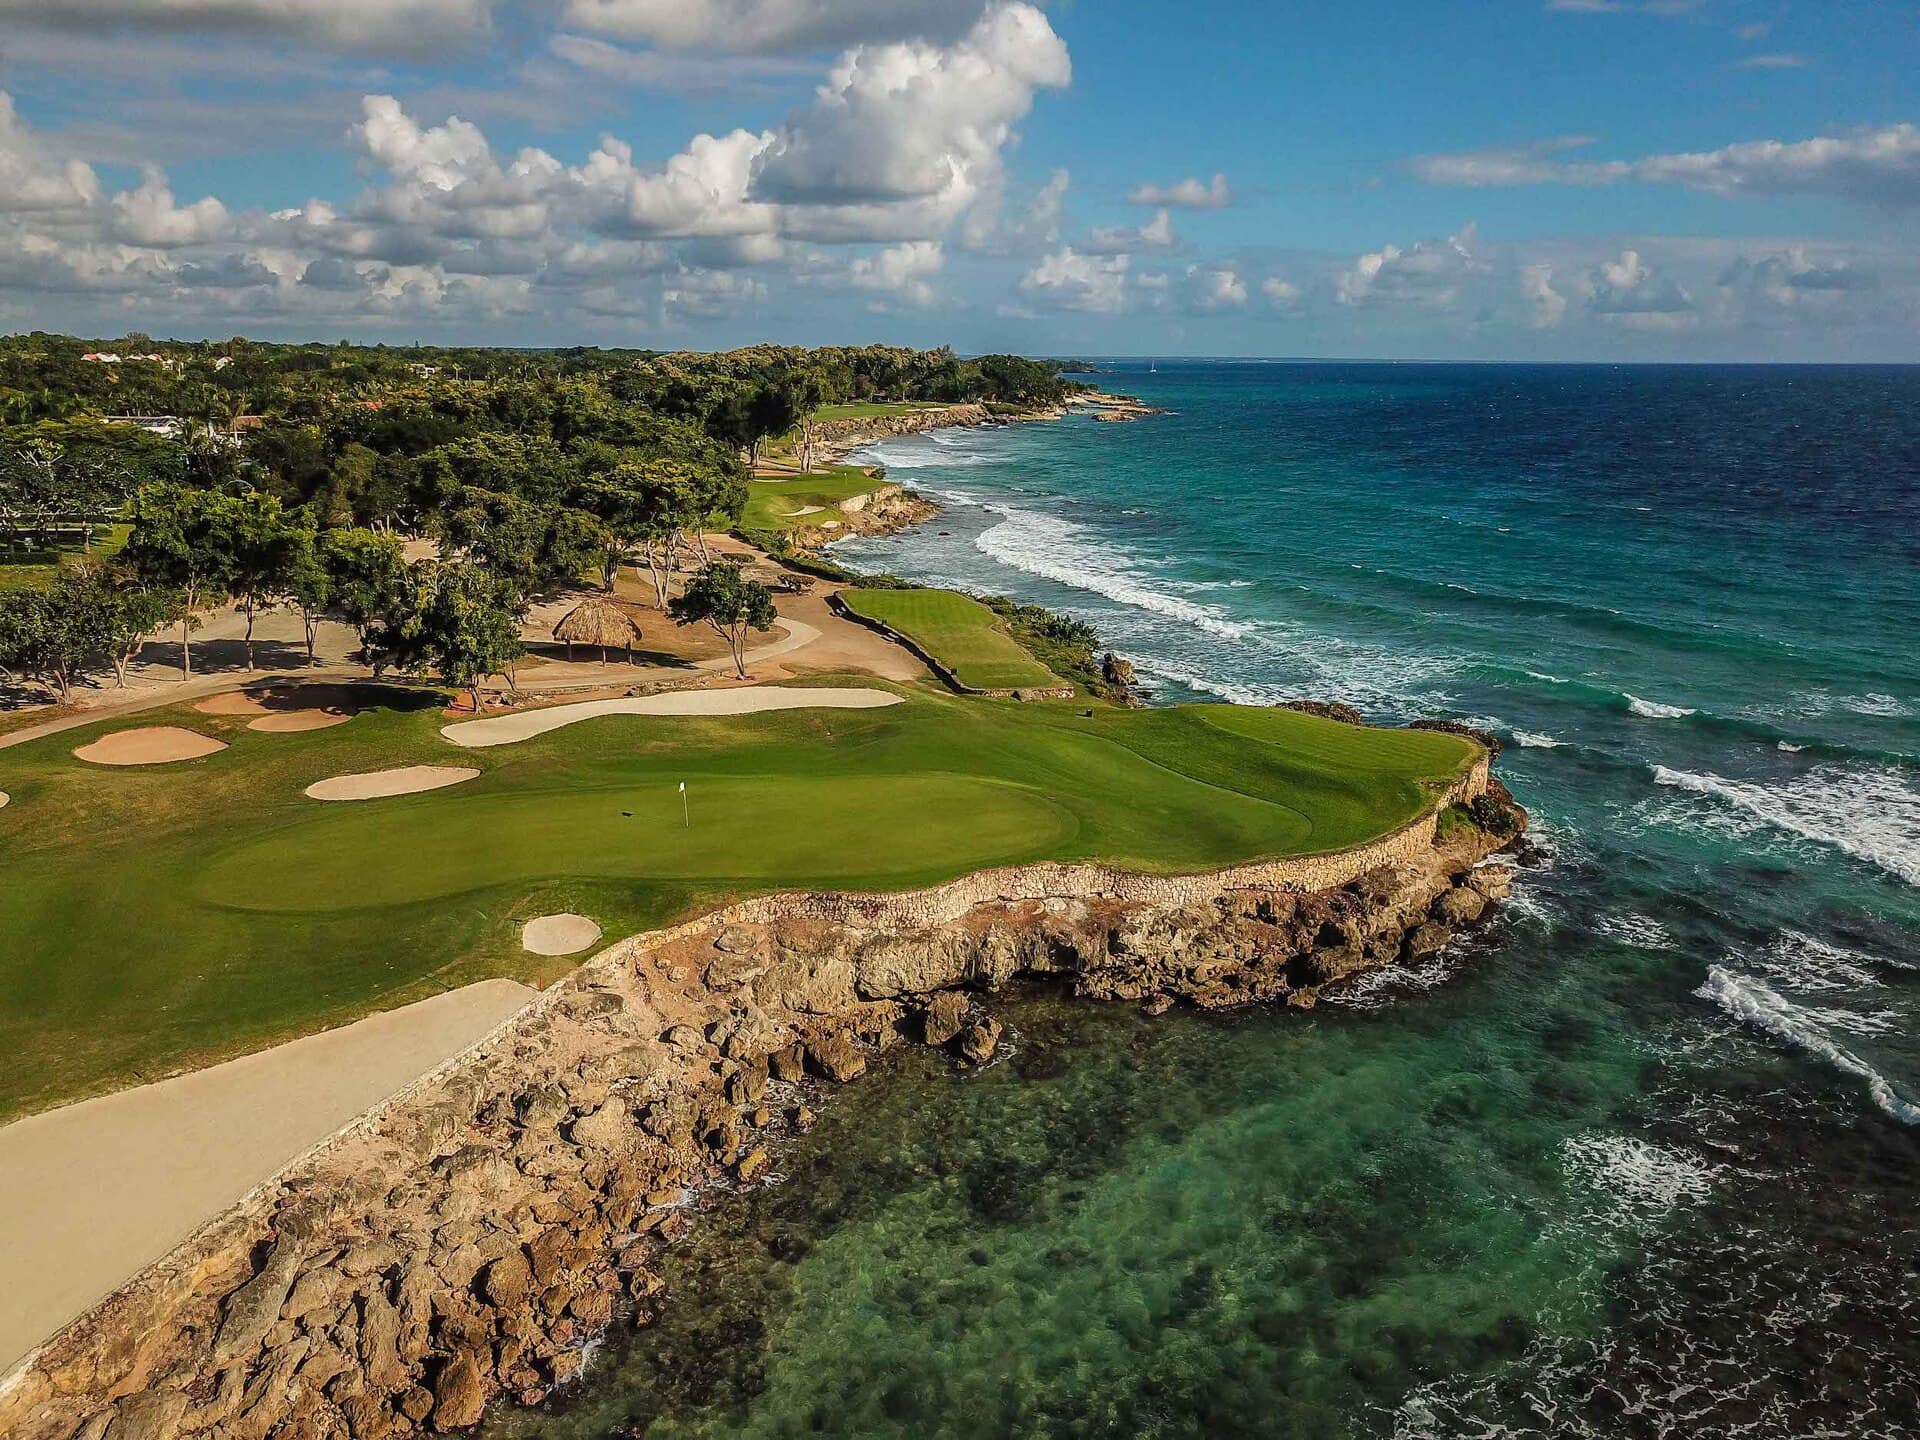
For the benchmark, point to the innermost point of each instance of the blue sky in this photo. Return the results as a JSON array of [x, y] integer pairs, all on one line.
[[1514, 179]]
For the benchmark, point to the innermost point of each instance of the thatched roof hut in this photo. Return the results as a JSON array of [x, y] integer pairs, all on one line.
[[598, 622]]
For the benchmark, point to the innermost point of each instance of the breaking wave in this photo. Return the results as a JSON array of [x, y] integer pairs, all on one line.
[[1872, 815], [1530, 740], [1754, 1004], [1654, 710], [1063, 552]]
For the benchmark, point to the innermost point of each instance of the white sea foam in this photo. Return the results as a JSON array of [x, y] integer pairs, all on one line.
[[1753, 1003], [1654, 710], [1790, 749], [1531, 740], [1641, 931], [1876, 704], [1643, 1180], [1375, 989], [1805, 962], [1872, 815], [1067, 554], [1210, 684]]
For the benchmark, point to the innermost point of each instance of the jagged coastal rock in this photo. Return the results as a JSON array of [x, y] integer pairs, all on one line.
[[469, 1238]]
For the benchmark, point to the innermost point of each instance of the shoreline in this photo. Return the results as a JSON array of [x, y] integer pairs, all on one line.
[[529, 1181], [467, 1238]]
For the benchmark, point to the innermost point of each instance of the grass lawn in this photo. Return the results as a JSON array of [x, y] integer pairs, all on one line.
[[157, 918], [959, 632], [775, 504], [21, 569]]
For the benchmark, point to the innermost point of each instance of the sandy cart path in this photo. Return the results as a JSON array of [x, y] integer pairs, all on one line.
[[510, 729], [92, 1193]]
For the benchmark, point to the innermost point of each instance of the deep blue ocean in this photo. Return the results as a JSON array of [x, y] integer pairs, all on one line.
[[1640, 1159]]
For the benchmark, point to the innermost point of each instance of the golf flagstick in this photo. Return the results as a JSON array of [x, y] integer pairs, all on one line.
[[686, 815]]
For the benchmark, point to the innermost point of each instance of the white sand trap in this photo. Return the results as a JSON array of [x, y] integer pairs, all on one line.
[[805, 510], [746, 700], [4, 798], [232, 702], [92, 1192], [558, 934], [378, 784], [293, 722], [155, 745]]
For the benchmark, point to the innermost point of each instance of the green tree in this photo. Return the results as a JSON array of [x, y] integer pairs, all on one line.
[[56, 634], [730, 603], [138, 610], [260, 541], [307, 582], [458, 620], [180, 542], [366, 576]]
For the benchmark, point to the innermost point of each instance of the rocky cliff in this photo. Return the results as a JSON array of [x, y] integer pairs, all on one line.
[[471, 1236], [837, 437]]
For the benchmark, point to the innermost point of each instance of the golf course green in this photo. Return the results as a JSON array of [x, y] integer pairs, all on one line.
[[161, 917], [959, 632], [812, 499]]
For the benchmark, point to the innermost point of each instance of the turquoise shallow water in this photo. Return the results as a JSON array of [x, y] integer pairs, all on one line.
[[1641, 1159]]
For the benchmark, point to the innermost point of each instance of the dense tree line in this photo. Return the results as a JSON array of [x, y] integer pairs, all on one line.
[[287, 475]]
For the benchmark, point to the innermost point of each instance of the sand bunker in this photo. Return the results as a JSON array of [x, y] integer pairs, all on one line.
[[292, 722], [4, 798], [508, 729], [558, 934], [232, 702], [156, 745], [378, 784]]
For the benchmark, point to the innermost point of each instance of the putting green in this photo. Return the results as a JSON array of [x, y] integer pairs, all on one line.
[[169, 916], [808, 830]]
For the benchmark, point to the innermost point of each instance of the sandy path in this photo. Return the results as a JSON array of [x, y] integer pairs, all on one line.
[[379, 784], [564, 934], [509, 729], [153, 745], [91, 1193]]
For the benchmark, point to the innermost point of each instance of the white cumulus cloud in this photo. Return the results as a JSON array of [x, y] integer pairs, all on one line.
[[1187, 194], [1069, 280]]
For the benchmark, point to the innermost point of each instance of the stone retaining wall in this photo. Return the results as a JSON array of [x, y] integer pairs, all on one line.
[[360, 1292]]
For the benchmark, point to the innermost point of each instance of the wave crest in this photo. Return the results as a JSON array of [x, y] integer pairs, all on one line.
[[1654, 710], [1872, 815], [1754, 1004]]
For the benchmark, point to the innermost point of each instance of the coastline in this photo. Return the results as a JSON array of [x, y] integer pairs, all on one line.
[[469, 1238]]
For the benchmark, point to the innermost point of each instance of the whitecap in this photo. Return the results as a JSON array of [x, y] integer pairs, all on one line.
[[1806, 962], [1531, 740], [1654, 710], [1068, 554], [1643, 1180], [1887, 706], [1790, 749], [1872, 815], [1753, 1003], [1641, 931]]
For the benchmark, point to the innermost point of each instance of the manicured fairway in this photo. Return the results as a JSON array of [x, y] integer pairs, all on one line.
[[776, 504], [959, 632], [162, 917]]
